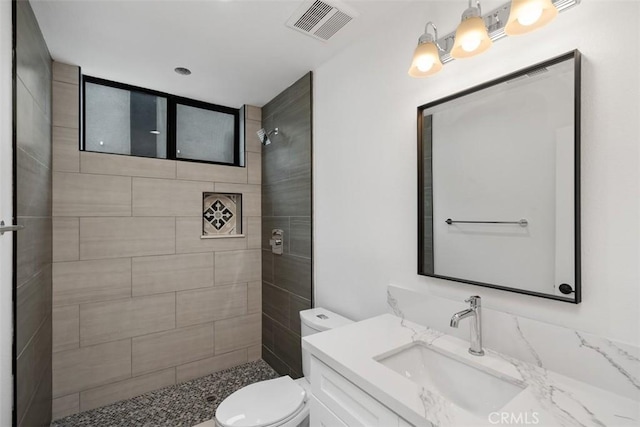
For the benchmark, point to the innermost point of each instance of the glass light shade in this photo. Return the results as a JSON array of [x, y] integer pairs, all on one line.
[[426, 60], [471, 38], [529, 15]]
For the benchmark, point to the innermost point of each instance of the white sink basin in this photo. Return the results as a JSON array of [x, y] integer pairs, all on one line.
[[474, 388]]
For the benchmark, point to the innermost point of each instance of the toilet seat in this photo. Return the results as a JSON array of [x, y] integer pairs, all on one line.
[[262, 404]]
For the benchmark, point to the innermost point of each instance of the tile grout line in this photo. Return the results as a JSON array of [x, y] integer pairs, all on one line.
[[79, 337], [131, 204]]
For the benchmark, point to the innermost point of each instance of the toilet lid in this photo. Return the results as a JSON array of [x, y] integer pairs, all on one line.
[[261, 404]]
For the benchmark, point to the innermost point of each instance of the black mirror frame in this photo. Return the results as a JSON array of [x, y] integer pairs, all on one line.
[[577, 292]]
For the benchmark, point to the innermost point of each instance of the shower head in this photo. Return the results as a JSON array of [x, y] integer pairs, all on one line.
[[264, 135]]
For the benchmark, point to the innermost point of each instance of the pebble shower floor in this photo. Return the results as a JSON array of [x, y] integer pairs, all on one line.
[[181, 405]]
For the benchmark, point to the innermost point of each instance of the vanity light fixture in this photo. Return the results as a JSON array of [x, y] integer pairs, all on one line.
[[426, 58], [472, 37], [529, 15], [477, 32]]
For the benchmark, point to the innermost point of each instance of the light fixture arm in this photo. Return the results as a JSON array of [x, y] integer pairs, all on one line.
[[435, 35], [472, 11], [435, 29]]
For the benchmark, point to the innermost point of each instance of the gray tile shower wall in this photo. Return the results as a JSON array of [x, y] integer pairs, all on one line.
[[140, 301], [427, 213], [286, 205], [33, 200]]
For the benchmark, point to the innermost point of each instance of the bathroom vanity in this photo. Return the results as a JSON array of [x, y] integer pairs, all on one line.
[[387, 371]]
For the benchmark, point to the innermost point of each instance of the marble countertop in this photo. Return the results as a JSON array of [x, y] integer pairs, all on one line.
[[549, 399]]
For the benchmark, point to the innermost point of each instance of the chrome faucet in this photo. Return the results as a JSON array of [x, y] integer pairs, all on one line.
[[476, 325]]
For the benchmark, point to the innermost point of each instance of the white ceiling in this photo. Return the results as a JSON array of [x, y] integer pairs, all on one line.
[[240, 51]]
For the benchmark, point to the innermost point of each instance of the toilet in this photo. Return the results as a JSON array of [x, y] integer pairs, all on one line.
[[280, 402]]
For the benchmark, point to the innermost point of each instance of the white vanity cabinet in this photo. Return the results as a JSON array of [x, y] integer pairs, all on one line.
[[321, 416], [338, 402]]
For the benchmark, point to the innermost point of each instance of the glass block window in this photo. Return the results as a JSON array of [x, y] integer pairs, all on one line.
[[221, 214]]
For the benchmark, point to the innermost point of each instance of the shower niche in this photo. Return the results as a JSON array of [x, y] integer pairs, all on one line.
[[221, 215]]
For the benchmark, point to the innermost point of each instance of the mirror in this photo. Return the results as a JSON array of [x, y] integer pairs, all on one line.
[[499, 174]]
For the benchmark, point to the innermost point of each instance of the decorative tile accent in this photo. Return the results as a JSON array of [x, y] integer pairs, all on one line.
[[221, 214], [182, 405]]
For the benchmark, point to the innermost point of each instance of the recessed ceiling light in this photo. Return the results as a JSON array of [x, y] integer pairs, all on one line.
[[182, 71], [155, 132]]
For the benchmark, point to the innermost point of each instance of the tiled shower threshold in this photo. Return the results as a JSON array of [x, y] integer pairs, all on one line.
[[183, 405]]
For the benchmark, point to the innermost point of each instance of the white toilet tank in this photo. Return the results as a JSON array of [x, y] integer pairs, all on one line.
[[317, 320]]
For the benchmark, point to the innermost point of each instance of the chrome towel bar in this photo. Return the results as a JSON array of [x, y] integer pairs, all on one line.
[[522, 223]]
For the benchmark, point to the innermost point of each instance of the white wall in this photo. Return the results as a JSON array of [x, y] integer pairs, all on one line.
[[365, 193], [6, 208]]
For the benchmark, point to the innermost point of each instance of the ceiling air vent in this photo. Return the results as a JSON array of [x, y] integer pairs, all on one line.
[[321, 20]]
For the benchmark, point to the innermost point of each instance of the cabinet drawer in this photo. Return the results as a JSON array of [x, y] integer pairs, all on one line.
[[321, 416], [347, 401]]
